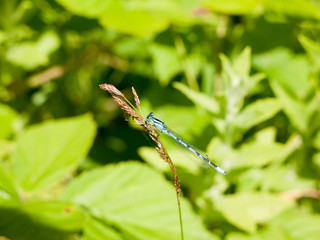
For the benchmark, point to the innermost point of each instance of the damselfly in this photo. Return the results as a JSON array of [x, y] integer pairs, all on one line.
[[161, 127]]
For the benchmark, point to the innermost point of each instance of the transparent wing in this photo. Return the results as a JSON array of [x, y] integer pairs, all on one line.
[[192, 149]]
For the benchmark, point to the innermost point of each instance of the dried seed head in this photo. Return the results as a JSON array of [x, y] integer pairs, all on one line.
[[111, 89], [136, 98], [126, 107]]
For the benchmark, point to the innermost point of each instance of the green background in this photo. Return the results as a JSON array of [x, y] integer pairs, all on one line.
[[237, 79]]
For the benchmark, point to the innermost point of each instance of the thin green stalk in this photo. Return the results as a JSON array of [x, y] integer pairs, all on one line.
[[180, 217]]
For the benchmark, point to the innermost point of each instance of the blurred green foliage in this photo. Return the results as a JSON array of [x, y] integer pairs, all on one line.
[[239, 79]]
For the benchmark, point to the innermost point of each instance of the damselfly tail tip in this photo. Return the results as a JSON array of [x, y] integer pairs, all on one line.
[[221, 170]]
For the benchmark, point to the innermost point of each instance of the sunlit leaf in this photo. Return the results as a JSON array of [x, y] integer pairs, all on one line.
[[297, 8], [280, 178], [177, 156], [30, 55], [299, 224], [236, 214], [193, 64], [236, 81], [295, 109], [252, 154], [7, 118], [86, 8], [6, 147], [139, 18], [208, 76], [166, 62], [312, 48], [266, 233], [293, 75], [266, 135], [97, 230], [316, 159], [132, 47], [309, 9], [133, 21], [257, 112], [234, 6], [240, 236], [135, 200], [242, 64], [250, 180], [316, 141], [257, 154], [149, 155], [48, 220], [198, 98], [273, 232], [70, 217], [47, 152], [7, 181], [246, 210]]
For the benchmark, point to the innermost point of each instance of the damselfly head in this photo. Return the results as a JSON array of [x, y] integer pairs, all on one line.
[[150, 115]]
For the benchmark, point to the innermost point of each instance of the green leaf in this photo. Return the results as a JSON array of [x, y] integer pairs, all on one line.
[[316, 140], [298, 224], [46, 153], [166, 63], [236, 81], [316, 159], [86, 8], [6, 147], [266, 135], [135, 200], [312, 48], [132, 20], [253, 154], [7, 119], [258, 154], [250, 180], [296, 8], [149, 155], [234, 6], [193, 63], [177, 156], [236, 214], [7, 181], [242, 64], [97, 230], [266, 233], [246, 210], [208, 78], [139, 18], [198, 98], [296, 110], [132, 47], [30, 55], [40, 220], [61, 216], [256, 113], [304, 228], [123, 16], [289, 70], [273, 232], [241, 236], [283, 178]]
